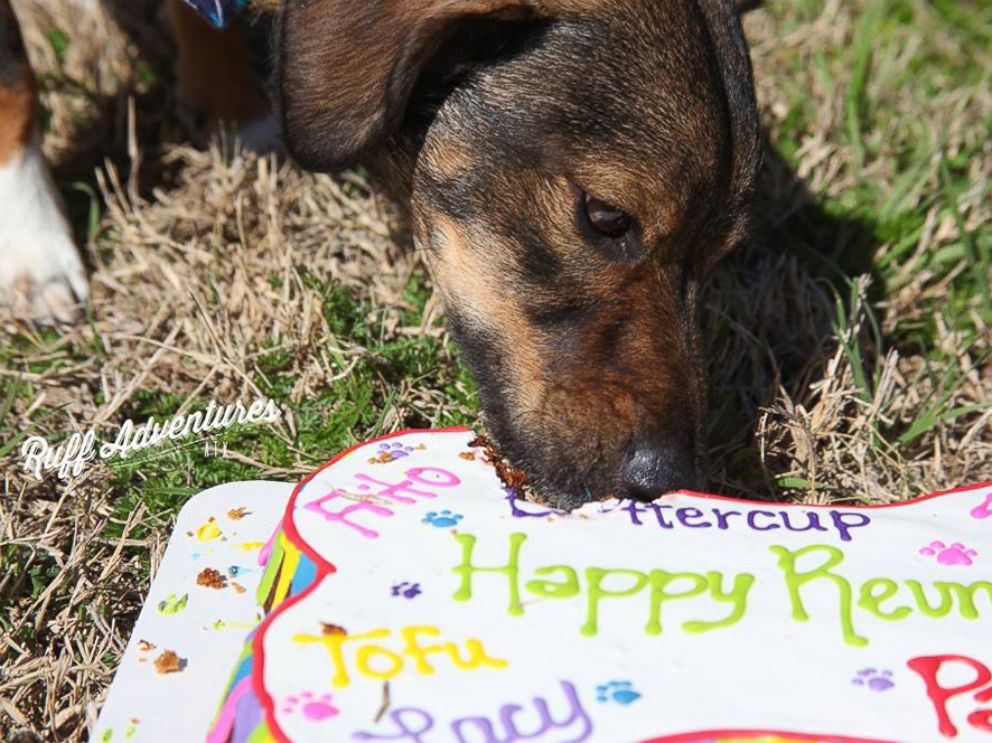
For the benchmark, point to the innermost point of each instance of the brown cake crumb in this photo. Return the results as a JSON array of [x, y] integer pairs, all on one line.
[[169, 662], [238, 588], [332, 629], [467, 456], [507, 473], [236, 514], [211, 579], [144, 646]]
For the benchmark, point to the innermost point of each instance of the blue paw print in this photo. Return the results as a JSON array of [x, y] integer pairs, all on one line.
[[444, 520], [621, 692]]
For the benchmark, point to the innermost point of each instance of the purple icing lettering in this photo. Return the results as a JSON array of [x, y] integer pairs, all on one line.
[[844, 522], [577, 724], [685, 514], [752, 522], [658, 508], [411, 731], [723, 517], [634, 509], [813, 522], [519, 507]]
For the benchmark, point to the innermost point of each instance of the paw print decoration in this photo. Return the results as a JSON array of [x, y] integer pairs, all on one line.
[[953, 554], [313, 707], [391, 452], [873, 679], [407, 590], [443, 520], [620, 692]]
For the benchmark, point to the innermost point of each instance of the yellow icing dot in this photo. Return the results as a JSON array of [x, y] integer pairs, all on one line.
[[208, 531], [249, 546]]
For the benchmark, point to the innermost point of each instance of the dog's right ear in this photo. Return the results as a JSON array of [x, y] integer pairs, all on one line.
[[347, 67]]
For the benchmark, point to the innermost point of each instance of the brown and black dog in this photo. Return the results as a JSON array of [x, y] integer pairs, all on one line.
[[573, 170]]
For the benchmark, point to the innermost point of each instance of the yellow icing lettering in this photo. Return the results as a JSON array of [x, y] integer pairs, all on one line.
[[374, 660]]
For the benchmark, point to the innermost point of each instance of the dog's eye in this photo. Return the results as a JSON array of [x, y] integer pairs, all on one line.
[[605, 219]]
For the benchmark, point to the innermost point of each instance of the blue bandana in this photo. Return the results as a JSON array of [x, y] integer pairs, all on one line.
[[219, 13]]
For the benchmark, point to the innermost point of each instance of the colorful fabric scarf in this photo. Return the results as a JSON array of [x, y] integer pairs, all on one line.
[[219, 13]]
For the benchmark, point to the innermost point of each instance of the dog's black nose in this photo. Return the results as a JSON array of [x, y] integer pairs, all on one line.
[[658, 468]]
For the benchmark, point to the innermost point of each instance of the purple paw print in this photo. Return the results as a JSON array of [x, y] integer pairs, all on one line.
[[955, 554], [392, 452], [407, 590], [873, 679], [312, 707]]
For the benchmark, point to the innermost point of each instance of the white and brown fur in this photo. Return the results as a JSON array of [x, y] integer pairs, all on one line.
[[40, 266]]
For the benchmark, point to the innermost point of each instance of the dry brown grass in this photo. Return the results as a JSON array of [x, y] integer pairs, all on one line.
[[182, 226]]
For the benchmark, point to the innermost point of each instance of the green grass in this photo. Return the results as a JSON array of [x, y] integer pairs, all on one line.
[[889, 211], [899, 164], [884, 106], [339, 416], [164, 477]]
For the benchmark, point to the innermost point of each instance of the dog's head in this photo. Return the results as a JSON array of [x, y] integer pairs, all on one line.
[[576, 168]]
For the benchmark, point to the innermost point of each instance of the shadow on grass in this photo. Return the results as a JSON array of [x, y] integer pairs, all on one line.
[[771, 315], [117, 131]]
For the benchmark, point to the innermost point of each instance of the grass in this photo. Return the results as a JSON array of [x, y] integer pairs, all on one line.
[[850, 355]]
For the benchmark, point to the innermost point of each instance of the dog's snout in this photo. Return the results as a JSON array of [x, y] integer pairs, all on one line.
[[659, 467]]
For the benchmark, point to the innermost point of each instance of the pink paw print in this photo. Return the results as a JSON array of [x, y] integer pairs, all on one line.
[[313, 708], [955, 554]]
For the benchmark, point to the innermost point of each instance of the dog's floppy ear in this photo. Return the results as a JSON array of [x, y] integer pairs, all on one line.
[[347, 68], [743, 6]]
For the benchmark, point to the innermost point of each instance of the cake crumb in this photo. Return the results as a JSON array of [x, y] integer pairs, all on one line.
[[467, 456], [238, 588], [211, 579], [236, 514], [144, 646], [332, 629], [510, 476], [169, 662]]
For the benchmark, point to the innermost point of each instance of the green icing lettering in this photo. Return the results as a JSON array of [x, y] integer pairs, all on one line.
[[568, 587], [737, 597], [660, 593], [595, 592], [871, 600], [795, 580], [920, 596], [466, 570], [966, 595]]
